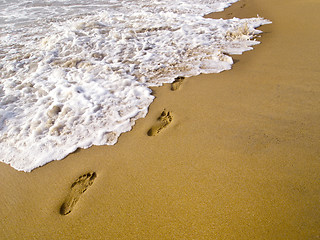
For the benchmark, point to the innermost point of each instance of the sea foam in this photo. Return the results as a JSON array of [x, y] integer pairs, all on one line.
[[76, 75]]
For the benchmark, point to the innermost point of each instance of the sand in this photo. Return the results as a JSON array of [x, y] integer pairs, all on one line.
[[239, 160]]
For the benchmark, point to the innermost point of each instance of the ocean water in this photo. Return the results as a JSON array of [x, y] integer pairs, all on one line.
[[78, 73]]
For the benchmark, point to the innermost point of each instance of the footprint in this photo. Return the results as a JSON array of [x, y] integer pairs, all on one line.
[[163, 121], [177, 83], [77, 188]]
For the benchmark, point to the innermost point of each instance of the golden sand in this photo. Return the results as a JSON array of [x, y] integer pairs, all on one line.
[[240, 159]]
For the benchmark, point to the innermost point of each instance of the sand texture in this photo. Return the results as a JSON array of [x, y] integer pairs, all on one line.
[[239, 160]]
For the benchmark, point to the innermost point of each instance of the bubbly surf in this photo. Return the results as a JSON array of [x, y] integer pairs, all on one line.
[[78, 73]]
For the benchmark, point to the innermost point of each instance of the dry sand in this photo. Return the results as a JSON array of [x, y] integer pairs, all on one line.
[[240, 160]]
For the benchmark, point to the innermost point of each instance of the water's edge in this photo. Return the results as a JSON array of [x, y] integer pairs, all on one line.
[[86, 80]]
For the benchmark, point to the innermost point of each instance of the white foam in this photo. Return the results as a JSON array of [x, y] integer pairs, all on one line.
[[83, 80]]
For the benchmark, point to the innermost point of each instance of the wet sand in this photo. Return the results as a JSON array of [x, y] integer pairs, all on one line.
[[239, 160]]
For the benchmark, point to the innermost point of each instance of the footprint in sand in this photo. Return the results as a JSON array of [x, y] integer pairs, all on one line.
[[77, 188], [177, 83], [163, 121]]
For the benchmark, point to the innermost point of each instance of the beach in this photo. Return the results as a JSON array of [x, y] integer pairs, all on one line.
[[239, 159]]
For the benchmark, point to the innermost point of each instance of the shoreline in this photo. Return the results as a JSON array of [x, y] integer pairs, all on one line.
[[240, 159], [109, 109]]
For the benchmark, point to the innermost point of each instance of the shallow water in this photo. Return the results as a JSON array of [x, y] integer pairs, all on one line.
[[77, 73]]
